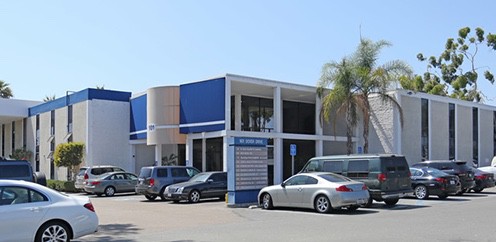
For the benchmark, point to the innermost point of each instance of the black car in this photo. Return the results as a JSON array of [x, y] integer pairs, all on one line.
[[431, 181], [482, 180], [458, 168], [202, 185]]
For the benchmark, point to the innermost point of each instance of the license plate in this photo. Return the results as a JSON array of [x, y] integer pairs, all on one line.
[[361, 201], [169, 195], [452, 182]]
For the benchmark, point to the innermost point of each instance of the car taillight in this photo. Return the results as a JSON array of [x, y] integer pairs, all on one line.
[[481, 177], [86, 176], [89, 206], [93, 183], [343, 188], [381, 177], [364, 187], [152, 181], [440, 179]]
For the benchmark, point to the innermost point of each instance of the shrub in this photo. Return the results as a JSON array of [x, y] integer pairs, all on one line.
[[61, 186]]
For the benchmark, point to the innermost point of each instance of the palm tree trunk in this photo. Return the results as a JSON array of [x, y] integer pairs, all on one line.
[[366, 122], [349, 133]]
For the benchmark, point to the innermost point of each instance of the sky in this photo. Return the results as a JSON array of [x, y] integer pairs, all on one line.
[[51, 48]]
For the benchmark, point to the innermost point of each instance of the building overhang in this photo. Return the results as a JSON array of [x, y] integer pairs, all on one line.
[[14, 109]]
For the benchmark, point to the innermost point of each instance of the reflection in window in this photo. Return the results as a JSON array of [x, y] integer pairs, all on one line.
[[425, 128], [298, 118], [475, 135], [257, 114], [451, 131]]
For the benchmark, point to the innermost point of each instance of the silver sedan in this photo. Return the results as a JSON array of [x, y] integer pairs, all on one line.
[[111, 183], [322, 191]]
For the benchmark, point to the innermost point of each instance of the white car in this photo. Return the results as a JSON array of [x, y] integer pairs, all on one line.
[[322, 191], [31, 212]]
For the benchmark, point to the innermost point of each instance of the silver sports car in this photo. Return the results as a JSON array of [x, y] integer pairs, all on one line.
[[322, 191]]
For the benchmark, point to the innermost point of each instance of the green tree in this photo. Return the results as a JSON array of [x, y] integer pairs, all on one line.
[[5, 91], [340, 99], [354, 79], [102, 87], [69, 155], [375, 79], [457, 65], [21, 154]]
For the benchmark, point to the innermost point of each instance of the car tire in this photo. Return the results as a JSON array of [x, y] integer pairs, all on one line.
[[477, 190], [442, 197], [55, 230], [421, 192], [391, 201], [322, 204], [194, 196], [161, 194], [266, 202], [109, 191], [40, 178], [150, 197]]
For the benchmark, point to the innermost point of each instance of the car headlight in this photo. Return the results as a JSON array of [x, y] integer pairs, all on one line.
[[180, 190]]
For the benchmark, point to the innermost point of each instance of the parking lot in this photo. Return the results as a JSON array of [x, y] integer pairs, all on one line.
[[458, 218]]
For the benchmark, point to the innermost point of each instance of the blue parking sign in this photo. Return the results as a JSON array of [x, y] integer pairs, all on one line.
[[292, 149]]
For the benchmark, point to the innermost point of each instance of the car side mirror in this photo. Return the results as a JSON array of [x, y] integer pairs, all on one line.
[[210, 180], [283, 184]]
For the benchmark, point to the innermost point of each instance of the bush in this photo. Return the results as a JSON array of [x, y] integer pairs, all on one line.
[[61, 186]]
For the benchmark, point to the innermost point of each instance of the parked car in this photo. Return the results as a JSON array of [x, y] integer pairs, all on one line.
[[430, 181], [458, 168], [32, 212], [387, 176], [491, 168], [86, 173], [322, 191], [153, 180], [483, 179], [202, 185], [111, 183], [20, 170]]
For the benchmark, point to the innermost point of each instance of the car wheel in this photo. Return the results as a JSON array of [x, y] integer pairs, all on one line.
[[194, 196], [150, 197], [161, 194], [421, 192], [53, 231], [109, 191], [322, 204], [267, 201], [391, 202], [477, 190], [444, 196]]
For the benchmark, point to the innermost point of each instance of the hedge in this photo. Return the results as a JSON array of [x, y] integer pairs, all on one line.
[[62, 186]]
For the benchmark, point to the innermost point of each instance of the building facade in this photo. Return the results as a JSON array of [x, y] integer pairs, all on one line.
[[192, 124]]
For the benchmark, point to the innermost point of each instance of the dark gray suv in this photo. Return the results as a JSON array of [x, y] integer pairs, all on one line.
[[152, 180]]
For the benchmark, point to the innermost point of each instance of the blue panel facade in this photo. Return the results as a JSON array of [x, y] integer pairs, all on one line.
[[202, 107], [138, 118], [77, 97]]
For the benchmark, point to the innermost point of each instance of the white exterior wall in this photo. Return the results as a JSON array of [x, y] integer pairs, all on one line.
[[44, 143], [464, 133], [108, 134], [439, 130], [486, 137]]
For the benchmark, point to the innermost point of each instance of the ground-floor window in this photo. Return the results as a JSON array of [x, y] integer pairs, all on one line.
[[305, 149], [214, 154]]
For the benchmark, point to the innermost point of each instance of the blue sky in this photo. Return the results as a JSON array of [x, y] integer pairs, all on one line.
[[51, 47]]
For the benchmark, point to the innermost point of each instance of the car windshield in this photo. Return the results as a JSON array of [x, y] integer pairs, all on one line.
[[334, 177], [201, 177]]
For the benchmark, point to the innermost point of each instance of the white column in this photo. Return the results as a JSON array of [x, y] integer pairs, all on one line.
[[204, 154], [237, 112], [158, 154], [225, 153], [278, 157], [319, 131], [189, 152]]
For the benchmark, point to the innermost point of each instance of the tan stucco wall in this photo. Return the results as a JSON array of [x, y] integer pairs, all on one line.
[[464, 133], [411, 131], [439, 132]]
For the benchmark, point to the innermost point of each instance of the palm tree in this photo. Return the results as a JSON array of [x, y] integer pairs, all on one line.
[[49, 98], [354, 79], [378, 79], [5, 91], [340, 98]]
